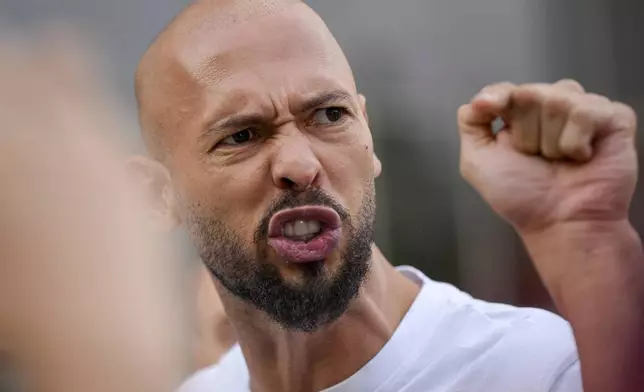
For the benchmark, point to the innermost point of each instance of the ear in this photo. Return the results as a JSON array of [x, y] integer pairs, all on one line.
[[363, 106], [154, 182], [377, 166]]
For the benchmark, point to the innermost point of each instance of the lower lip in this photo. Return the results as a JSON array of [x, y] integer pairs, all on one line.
[[319, 248]]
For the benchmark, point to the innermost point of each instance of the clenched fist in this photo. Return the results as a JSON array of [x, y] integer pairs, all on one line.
[[565, 155]]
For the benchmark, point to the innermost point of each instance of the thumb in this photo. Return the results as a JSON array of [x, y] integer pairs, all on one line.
[[476, 118]]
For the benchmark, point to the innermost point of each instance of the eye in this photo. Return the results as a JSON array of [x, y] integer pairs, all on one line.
[[241, 137], [329, 116]]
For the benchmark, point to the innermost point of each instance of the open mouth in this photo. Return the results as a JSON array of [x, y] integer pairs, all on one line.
[[305, 234], [301, 230]]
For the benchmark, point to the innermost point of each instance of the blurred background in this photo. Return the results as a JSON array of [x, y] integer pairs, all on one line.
[[417, 61]]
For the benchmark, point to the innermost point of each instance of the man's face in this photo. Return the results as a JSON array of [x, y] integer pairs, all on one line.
[[272, 163]]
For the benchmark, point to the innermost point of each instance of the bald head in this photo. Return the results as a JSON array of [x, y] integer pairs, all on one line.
[[205, 44]]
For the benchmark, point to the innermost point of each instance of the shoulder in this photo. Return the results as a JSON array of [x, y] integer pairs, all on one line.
[[230, 374], [499, 341], [463, 317], [516, 346]]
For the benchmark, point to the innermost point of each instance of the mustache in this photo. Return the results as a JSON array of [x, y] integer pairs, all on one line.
[[292, 199]]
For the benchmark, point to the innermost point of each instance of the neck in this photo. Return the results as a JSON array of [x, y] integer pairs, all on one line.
[[283, 360]]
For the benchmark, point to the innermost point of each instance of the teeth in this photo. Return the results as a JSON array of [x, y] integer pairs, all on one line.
[[289, 230], [301, 228], [313, 226]]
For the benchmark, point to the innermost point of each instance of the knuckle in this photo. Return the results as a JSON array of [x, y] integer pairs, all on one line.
[[540, 93], [549, 151], [597, 99], [528, 94], [555, 105], [625, 116], [571, 149], [463, 114], [533, 86], [581, 112], [577, 148], [626, 111], [581, 115], [570, 84], [462, 111], [504, 84], [590, 106], [501, 86]]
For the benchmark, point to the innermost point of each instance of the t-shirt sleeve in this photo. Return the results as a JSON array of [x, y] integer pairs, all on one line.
[[569, 380]]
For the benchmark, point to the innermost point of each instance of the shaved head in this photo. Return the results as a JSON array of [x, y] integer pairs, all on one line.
[[190, 50], [249, 109]]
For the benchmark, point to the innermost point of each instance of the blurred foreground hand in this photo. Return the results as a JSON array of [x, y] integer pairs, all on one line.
[[88, 300]]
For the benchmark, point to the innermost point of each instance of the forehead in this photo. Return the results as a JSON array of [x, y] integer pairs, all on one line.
[[287, 51]]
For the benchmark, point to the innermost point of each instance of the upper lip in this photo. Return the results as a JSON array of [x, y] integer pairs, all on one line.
[[327, 216]]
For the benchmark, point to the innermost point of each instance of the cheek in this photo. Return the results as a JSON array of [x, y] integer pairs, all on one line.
[[350, 170], [231, 195], [359, 157]]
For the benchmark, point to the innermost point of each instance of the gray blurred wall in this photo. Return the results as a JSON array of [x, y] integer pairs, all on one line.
[[417, 61]]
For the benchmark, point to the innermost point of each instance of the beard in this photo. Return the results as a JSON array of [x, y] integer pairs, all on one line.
[[319, 297]]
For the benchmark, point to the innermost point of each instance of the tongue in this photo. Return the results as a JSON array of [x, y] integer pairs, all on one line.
[[317, 249]]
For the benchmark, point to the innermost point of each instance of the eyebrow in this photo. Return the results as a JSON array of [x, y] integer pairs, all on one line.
[[239, 121], [323, 99], [243, 121]]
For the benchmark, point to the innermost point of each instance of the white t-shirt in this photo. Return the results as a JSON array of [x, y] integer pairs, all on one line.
[[447, 342]]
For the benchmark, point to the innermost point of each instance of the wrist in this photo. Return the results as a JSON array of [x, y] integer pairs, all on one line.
[[581, 232], [585, 255]]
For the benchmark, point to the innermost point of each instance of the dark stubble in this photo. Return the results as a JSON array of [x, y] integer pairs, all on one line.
[[319, 297]]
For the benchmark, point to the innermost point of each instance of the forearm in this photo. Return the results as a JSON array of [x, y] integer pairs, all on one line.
[[595, 274]]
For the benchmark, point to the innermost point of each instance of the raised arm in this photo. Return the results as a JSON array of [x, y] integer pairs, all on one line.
[[563, 173]]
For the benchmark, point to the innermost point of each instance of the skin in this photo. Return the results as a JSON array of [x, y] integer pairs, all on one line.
[[568, 159], [295, 157], [215, 333], [87, 296], [267, 59]]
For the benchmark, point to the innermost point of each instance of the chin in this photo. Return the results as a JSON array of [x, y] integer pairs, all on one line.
[[302, 272]]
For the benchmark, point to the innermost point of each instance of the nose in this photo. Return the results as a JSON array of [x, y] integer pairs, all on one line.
[[295, 166]]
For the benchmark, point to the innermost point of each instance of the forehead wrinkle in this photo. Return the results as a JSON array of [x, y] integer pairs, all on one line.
[[236, 101], [214, 72], [228, 92]]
